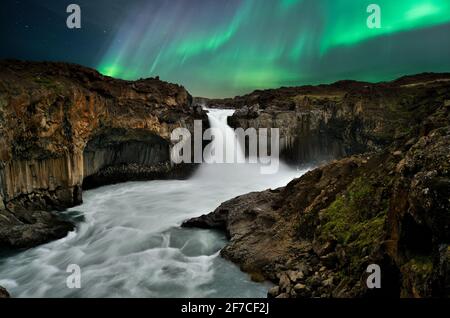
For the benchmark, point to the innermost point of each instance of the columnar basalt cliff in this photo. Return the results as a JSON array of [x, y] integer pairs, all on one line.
[[390, 206], [64, 127], [319, 123]]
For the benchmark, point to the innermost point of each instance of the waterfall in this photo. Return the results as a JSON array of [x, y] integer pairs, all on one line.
[[128, 242], [232, 150]]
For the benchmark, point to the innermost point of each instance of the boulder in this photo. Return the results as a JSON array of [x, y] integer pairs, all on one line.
[[4, 293]]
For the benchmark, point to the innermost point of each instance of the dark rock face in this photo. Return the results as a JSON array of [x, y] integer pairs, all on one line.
[[319, 123], [317, 236], [3, 293], [64, 126], [121, 155], [24, 229]]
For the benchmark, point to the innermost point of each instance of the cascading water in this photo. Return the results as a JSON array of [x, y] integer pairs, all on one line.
[[128, 242], [231, 148]]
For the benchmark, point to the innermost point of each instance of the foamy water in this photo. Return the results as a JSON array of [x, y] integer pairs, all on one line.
[[128, 242]]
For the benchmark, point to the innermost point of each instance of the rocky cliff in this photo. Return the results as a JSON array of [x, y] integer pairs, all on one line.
[[390, 206], [64, 127], [3, 293], [319, 123]]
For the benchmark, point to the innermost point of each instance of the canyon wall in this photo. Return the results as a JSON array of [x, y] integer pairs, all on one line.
[[319, 123], [389, 206], [63, 125]]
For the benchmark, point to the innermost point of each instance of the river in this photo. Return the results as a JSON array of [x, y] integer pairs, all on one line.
[[128, 241]]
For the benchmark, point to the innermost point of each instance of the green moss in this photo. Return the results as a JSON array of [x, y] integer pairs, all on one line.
[[356, 219], [421, 265], [43, 81], [417, 274]]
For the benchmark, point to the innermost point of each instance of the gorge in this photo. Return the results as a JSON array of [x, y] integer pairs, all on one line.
[[66, 128], [128, 242]]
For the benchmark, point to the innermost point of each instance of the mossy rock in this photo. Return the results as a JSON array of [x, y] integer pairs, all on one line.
[[356, 220]]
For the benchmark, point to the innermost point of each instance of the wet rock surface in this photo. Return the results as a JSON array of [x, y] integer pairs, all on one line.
[[24, 229], [3, 293]]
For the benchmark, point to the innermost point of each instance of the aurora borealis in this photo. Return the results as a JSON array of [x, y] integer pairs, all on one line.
[[224, 48]]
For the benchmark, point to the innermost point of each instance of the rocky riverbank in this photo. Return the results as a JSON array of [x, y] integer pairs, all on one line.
[[3, 293], [389, 206], [64, 127]]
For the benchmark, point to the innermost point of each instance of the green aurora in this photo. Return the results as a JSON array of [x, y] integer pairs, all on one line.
[[225, 48]]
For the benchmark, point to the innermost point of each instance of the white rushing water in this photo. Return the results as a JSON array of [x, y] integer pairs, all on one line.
[[128, 242]]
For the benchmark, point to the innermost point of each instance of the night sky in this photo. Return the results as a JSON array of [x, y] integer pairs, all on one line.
[[220, 48]]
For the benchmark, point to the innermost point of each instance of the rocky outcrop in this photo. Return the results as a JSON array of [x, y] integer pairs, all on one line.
[[3, 293], [390, 206], [319, 123], [64, 126]]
